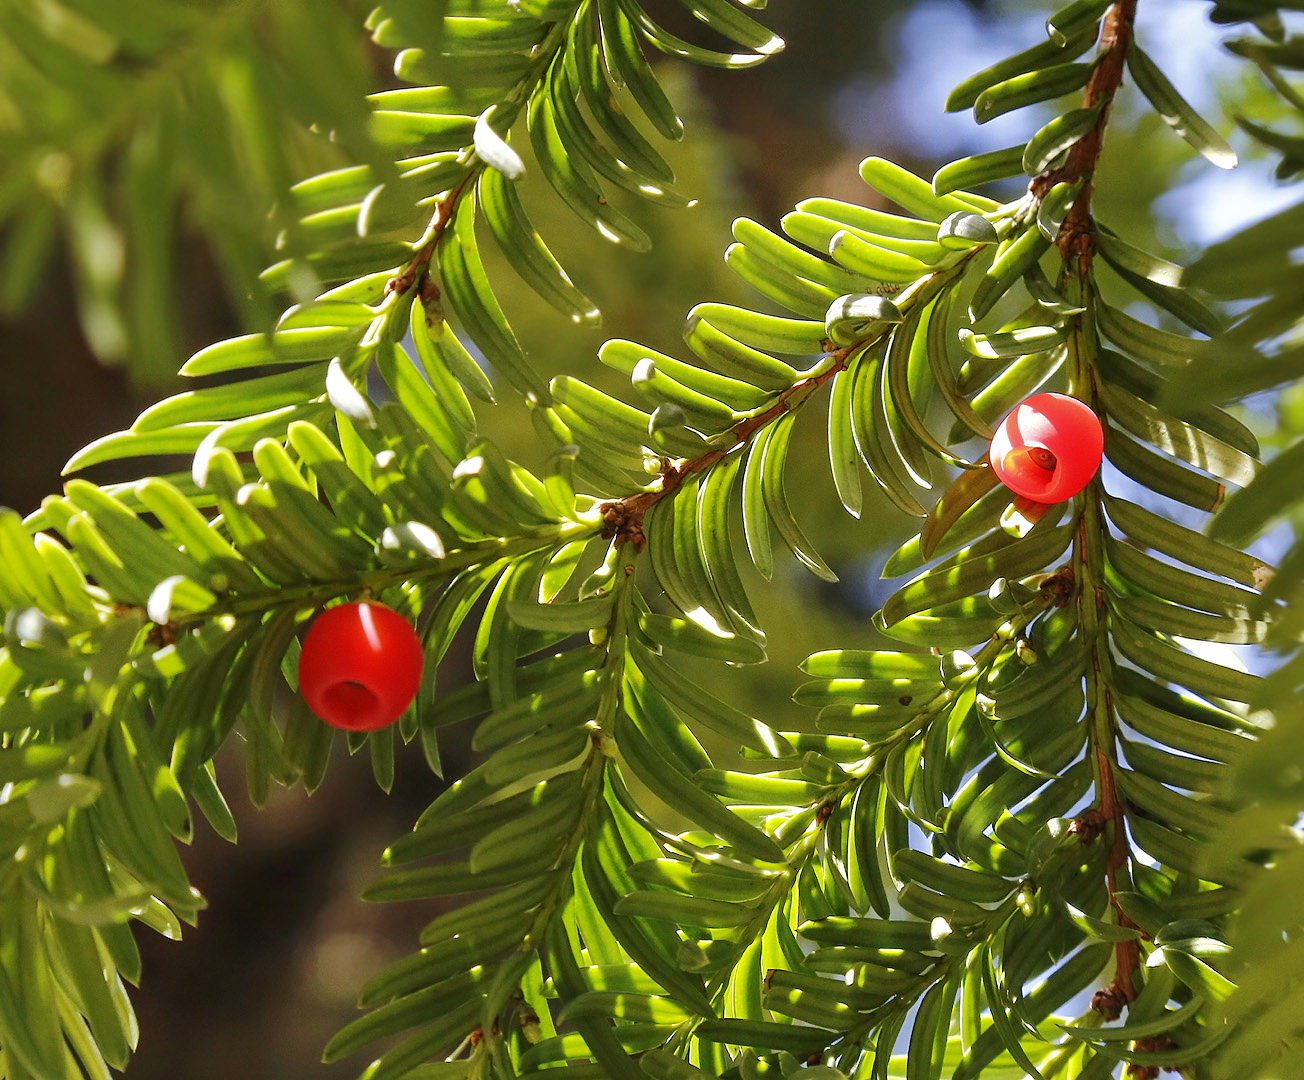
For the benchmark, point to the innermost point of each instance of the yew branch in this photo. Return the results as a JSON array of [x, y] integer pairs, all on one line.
[[1077, 235]]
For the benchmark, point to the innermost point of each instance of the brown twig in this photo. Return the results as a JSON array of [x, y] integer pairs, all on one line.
[[1110, 811], [417, 270], [1077, 245], [624, 517], [1077, 235], [1109, 814]]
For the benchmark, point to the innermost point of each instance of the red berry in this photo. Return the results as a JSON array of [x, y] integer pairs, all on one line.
[[1048, 448], [360, 666]]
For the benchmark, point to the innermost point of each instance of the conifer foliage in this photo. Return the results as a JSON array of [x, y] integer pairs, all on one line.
[[1014, 846]]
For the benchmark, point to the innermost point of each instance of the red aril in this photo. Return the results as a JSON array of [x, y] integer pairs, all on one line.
[[360, 666], [1048, 448]]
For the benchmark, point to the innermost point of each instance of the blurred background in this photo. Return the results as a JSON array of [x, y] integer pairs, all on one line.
[[143, 172]]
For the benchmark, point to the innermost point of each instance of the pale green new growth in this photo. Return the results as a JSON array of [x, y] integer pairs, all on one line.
[[1046, 837]]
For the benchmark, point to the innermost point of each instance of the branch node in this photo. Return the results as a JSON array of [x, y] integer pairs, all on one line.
[[622, 522], [1109, 1002], [1059, 586]]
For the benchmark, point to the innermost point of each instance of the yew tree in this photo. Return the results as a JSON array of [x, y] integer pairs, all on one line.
[[1039, 820]]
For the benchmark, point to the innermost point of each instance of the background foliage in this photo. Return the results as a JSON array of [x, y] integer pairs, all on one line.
[[1016, 847]]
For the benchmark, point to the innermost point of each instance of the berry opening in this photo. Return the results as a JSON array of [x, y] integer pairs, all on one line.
[[1043, 458], [1035, 466], [350, 699]]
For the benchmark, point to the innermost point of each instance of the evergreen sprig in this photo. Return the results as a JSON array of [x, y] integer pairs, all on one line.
[[1260, 351], [986, 854], [129, 127]]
